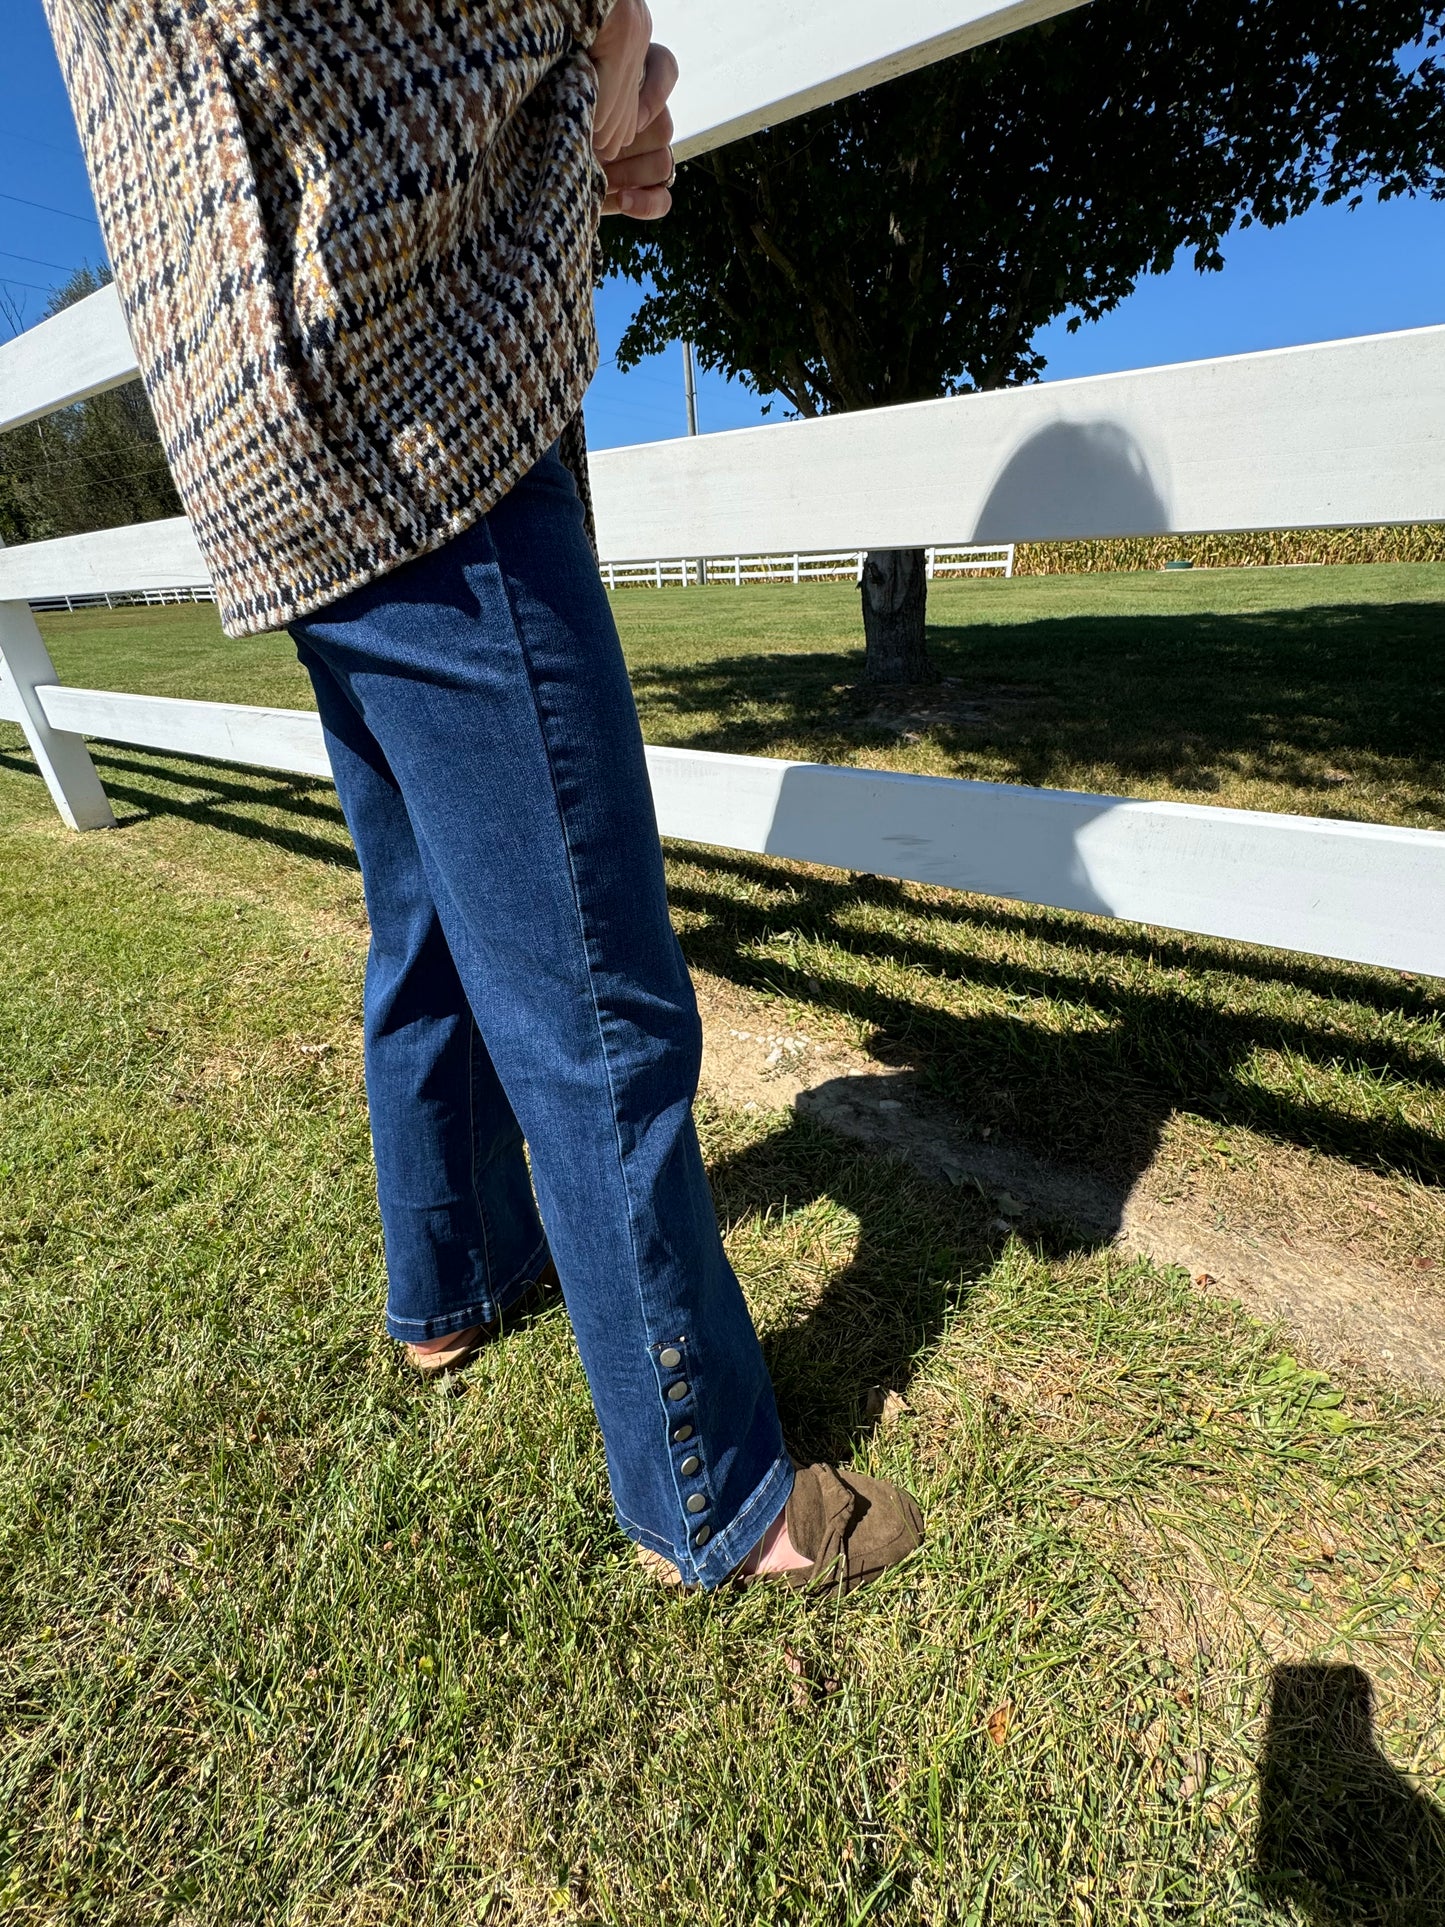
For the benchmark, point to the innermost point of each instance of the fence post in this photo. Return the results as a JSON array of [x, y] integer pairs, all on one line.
[[63, 759], [1008, 567]]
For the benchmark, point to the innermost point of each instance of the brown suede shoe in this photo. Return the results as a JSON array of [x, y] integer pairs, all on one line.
[[851, 1527], [466, 1344]]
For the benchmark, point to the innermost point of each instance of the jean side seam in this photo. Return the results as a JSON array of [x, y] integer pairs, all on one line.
[[491, 1295], [642, 1304], [581, 931]]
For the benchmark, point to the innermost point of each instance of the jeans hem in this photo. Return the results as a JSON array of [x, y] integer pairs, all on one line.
[[484, 1311], [727, 1550]]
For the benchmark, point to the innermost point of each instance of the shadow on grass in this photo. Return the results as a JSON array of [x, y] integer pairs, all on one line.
[[220, 796], [918, 1245], [1178, 696], [1097, 1097], [1343, 1837]]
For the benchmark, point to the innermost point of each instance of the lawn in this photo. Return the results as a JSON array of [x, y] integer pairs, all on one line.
[[286, 1637]]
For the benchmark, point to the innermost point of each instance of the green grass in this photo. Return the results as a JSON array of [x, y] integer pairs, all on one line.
[[285, 1637]]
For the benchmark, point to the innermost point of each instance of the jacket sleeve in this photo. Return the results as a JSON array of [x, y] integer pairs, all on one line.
[[585, 17]]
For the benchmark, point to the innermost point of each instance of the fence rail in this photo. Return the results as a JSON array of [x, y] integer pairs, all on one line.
[[1367, 892], [845, 565]]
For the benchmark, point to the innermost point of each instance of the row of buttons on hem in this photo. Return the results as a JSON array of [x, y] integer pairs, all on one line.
[[670, 1359]]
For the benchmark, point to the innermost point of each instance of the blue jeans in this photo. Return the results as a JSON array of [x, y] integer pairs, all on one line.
[[524, 983]]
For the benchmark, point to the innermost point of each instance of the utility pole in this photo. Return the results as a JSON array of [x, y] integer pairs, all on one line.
[[689, 389]]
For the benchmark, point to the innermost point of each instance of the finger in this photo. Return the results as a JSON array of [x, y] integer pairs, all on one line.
[[657, 85], [656, 134], [639, 203], [650, 169], [614, 125], [611, 146], [619, 55]]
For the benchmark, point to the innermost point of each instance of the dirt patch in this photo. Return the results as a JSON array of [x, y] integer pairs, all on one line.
[[914, 710], [1381, 1310]]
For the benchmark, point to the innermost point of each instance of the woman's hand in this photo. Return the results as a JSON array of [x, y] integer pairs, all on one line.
[[639, 181], [631, 127]]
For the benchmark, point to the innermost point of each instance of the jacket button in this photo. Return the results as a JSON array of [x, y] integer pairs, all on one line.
[[681, 1434], [702, 1535], [697, 1503], [692, 1463], [680, 1390], [670, 1359]]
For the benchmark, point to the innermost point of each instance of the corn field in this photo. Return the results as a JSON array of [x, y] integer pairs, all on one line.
[[1251, 549]]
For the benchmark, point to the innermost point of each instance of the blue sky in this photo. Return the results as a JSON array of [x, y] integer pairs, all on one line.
[[1329, 273]]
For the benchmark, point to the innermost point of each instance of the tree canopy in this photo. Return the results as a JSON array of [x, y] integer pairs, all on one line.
[[912, 241]]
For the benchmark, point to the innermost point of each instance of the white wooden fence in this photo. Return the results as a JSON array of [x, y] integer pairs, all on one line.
[[1344, 433], [841, 565], [52, 604]]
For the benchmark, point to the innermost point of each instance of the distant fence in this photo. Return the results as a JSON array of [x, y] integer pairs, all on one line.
[[839, 565], [102, 599]]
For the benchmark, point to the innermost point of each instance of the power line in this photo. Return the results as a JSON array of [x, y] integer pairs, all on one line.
[[36, 262], [45, 208], [8, 282], [34, 140]]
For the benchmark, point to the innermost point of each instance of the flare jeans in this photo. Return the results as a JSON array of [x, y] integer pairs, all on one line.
[[525, 986]]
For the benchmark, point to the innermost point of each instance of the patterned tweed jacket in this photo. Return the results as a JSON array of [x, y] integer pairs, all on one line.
[[354, 243]]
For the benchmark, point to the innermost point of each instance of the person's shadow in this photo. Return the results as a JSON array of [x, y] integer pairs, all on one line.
[[1342, 1834], [916, 1249]]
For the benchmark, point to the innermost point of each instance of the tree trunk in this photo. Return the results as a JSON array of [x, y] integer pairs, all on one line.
[[895, 601]]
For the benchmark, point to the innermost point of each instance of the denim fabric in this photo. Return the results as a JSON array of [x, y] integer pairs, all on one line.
[[524, 982]]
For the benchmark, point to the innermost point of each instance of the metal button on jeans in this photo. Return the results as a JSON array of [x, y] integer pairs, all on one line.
[[697, 1503], [680, 1390], [702, 1535], [670, 1359], [681, 1434], [690, 1465]]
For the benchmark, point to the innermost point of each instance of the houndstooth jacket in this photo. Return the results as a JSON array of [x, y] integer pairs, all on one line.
[[354, 242]]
